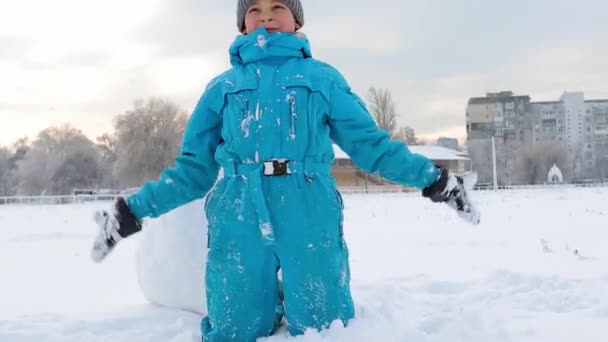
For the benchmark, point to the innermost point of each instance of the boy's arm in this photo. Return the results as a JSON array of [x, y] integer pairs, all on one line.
[[194, 174], [371, 149], [354, 130], [195, 169]]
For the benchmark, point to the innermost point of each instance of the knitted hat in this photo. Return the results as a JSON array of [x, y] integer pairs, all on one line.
[[243, 5]]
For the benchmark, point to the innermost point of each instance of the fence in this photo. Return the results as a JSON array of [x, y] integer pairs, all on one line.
[[346, 190], [541, 186], [68, 199]]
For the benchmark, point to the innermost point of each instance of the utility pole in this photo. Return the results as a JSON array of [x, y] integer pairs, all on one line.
[[494, 163]]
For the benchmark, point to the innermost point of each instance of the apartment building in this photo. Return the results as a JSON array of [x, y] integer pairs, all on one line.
[[515, 122]]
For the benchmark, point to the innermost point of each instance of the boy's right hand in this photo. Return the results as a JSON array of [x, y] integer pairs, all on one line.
[[450, 189], [116, 223]]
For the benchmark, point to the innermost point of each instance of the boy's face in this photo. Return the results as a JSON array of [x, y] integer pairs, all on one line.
[[272, 15]]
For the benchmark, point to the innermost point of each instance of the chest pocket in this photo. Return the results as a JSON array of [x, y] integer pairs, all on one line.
[[238, 112], [304, 108]]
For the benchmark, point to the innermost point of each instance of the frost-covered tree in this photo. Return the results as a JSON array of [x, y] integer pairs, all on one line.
[[59, 160], [148, 139], [9, 158], [7, 178], [79, 170], [106, 144]]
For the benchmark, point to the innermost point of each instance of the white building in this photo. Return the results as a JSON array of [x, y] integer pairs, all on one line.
[[579, 125]]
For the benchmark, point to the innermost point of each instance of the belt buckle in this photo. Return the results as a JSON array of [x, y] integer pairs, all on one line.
[[276, 167]]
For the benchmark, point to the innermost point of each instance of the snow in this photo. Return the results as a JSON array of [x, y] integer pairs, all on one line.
[[261, 41], [245, 125], [171, 256], [435, 152], [339, 153], [419, 273], [555, 175]]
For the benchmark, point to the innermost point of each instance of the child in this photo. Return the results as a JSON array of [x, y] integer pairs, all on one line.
[[269, 122]]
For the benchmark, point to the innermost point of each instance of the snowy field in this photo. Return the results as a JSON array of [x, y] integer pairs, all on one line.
[[418, 274]]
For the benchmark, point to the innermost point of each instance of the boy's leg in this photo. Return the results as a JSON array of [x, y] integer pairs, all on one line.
[[317, 288], [241, 275], [313, 257], [242, 295]]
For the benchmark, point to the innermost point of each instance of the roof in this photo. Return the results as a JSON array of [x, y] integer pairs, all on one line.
[[497, 99], [433, 152], [547, 102]]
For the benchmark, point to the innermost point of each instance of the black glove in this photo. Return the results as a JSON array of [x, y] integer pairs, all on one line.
[[114, 224], [449, 188]]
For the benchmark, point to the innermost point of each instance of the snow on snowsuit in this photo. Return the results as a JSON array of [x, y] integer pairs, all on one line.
[[269, 122]]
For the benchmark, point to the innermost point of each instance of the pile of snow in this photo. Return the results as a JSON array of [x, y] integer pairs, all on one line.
[[171, 258]]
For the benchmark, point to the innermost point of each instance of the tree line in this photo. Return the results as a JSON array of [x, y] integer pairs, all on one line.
[[60, 159], [145, 140]]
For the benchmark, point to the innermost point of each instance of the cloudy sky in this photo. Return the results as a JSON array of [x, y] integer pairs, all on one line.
[[84, 62]]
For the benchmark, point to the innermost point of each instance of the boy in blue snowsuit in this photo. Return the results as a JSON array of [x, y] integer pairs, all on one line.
[[269, 123]]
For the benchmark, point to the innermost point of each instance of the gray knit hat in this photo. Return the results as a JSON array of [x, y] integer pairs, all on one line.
[[243, 5]]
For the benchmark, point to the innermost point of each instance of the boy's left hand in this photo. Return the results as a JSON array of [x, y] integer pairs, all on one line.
[[450, 188], [115, 224]]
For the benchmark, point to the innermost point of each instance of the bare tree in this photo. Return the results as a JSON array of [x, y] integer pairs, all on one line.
[[20, 149], [60, 159], [534, 161], [602, 168], [106, 144], [601, 160], [148, 139], [79, 170], [6, 173], [425, 141], [480, 152], [382, 108], [407, 135], [528, 167], [9, 158]]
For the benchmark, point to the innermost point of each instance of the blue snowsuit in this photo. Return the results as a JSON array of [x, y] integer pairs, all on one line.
[[275, 103]]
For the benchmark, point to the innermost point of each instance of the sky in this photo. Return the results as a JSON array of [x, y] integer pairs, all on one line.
[[69, 61]]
